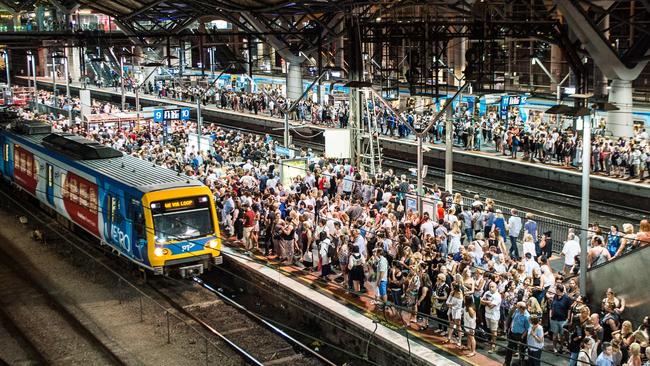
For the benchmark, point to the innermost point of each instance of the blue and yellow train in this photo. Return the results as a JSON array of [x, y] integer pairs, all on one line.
[[156, 218]]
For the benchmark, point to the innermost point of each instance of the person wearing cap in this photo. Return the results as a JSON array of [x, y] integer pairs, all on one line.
[[517, 332]]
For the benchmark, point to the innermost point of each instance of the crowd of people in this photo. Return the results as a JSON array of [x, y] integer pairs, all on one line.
[[458, 271], [536, 140]]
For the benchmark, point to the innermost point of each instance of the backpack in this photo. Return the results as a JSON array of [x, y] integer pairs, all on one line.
[[331, 253]]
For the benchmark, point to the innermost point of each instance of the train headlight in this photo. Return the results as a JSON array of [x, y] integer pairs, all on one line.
[[213, 243], [158, 252]]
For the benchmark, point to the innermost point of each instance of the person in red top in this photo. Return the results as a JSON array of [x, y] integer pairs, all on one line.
[[249, 225]]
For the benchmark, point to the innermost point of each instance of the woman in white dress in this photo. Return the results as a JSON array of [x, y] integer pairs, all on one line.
[[469, 325], [455, 312]]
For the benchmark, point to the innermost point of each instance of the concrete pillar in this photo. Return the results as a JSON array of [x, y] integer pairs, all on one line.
[[43, 60], [294, 81], [73, 63], [340, 46], [16, 21], [261, 59], [556, 65], [620, 122], [459, 60]]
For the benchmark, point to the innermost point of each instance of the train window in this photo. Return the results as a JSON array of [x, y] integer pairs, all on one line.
[[83, 194], [139, 225], [74, 190], [115, 210], [65, 189], [28, 167], [50, 176], [6, 152], [92, 199]]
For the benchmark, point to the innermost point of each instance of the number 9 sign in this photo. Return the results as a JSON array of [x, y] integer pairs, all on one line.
[[158, 115]]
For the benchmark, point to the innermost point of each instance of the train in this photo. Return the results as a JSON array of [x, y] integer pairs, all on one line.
[[162, 221]]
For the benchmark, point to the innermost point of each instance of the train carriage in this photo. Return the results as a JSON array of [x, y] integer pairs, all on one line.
[[157, 218]]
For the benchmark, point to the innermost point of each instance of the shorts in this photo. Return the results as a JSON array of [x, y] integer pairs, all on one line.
[[382, 288], [492, 324], [557, 326]]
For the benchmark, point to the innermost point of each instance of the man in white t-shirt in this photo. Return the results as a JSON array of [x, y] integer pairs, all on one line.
[[427, 227], [569, 251], [492, 302]]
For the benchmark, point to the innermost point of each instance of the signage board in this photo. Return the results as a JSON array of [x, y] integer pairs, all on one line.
[[284, 151], [411, 203], [179, 114]]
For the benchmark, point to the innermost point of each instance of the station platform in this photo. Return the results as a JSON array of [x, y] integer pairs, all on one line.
[[362, 315], [488, 164], [421, 348]]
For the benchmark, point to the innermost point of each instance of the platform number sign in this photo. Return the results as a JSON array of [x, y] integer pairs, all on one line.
[[158, 115], [185, 114], [161, 115]]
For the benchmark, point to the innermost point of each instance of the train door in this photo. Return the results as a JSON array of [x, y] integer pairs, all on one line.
[[138, 234], [49, 189], [117, 233]]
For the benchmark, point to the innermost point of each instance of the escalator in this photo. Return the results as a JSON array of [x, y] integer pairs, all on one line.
[[627, 276], [224, 57], [99, 69]]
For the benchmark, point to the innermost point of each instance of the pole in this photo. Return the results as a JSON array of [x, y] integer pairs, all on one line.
[[7, 67], [286, 129], [212, 62], [584, 203], [449, 151], [137, 107], [29, 72], [54, 80], [419, 173], [122, 82], [67, 78], [199, 122], [33, 59]]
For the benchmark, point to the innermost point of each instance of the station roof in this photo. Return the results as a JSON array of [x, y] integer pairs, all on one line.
[[133, 8]]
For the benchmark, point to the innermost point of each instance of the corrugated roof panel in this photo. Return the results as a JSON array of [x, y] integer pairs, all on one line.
[[133, 171]]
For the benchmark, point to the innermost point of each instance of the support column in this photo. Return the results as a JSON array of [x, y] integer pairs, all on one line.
[[43, 60], [294, 80], [556, 65], [73, 63], [620, 122], [459, 60], [340, 47]]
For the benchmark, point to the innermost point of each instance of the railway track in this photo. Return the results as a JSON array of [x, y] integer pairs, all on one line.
[[41, 320], [232, 332], [257, 342]]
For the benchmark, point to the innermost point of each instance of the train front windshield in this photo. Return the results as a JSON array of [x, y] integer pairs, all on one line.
[[182, 219]]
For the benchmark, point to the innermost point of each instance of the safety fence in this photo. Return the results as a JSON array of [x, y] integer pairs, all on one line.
[[558, 229]]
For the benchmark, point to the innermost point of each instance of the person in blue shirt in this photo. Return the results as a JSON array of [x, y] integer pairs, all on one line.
[[500, 223], [489, 221], [613, 240], [605, 357], [517, 333], [535, 342]]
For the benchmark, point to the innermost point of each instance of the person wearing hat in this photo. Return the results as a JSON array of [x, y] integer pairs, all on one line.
[[517, 332]]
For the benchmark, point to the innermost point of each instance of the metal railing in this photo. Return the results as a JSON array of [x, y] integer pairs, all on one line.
[[559, 229]]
